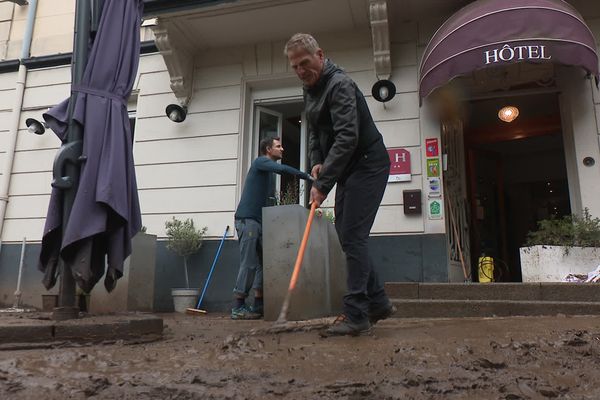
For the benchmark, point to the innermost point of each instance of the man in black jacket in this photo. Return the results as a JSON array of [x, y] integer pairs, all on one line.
[[345, 149]]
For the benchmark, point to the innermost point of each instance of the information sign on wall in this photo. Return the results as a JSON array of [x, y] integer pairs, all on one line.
[[400, 165]]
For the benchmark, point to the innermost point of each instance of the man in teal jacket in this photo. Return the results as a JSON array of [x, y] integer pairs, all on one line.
[[248, 224]]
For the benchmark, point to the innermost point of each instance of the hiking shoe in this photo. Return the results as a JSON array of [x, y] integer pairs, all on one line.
[[384, 313], [343, 326], [244, 312]]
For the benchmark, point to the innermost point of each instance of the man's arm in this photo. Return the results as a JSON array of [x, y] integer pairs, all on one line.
[[344, 116], [266, 164]]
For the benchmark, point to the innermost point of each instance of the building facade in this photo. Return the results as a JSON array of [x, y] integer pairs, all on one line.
[[481, 183]]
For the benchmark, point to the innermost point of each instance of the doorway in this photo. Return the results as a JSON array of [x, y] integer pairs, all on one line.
[[284, 120], [516, 175]]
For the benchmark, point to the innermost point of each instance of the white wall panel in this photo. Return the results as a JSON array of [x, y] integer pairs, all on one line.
[[155, 83], [151, 63], [391, 220], [393, 191], [208, 173], [198, 124], [8, 80], [212, 77], [188, 200], [34, 161], [27, 206], [403, 106], [30, 141], [37, 183], [14, 230], [7, 99], [184, 150], [400, 133], [5, 117], [45, 96], [215, 221], [48, 76], [226, 98], [204, 100]]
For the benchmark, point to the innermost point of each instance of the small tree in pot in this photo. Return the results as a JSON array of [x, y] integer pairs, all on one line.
[[184, 240]]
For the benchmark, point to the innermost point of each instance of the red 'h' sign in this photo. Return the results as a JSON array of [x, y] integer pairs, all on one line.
[[400, 159]]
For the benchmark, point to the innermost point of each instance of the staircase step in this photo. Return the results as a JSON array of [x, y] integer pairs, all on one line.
[[539, 291], [428, 308]]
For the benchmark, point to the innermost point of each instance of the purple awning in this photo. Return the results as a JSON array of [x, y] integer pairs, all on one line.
[[490, 33]]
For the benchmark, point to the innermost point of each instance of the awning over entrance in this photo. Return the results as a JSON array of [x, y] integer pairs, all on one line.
[[490, 33]]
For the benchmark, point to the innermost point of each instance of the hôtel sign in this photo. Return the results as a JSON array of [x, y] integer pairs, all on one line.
[[509, 53]]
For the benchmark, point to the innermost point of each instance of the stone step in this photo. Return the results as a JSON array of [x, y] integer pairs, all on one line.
[[490, 308], [542, 291]]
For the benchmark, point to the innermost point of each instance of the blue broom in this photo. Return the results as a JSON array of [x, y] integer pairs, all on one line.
[[197, 310]]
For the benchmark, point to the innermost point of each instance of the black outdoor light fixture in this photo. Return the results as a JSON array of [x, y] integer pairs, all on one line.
[[176, 113], [35, 126], [383, 90], [20, 2]]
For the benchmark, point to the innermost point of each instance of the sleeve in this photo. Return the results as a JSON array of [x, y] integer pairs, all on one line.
[[344, 117], [266, 164], [314, 147]]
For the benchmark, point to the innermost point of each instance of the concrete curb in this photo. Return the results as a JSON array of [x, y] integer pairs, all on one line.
[[37, 328]]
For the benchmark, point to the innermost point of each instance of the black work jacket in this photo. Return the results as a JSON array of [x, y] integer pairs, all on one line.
[[341, 129]]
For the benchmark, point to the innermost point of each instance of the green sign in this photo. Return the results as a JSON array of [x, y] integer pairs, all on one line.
[[435, 209]]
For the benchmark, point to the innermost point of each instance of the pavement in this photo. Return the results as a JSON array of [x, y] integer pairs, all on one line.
[[22, 330]]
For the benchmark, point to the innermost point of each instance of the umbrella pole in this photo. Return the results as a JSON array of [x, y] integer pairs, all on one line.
[[67, 308]]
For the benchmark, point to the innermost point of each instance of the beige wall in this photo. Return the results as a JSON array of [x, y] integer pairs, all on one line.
[[195, 169]]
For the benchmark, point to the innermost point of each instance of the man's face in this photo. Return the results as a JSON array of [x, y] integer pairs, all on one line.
[[307, 66], [275, 152]]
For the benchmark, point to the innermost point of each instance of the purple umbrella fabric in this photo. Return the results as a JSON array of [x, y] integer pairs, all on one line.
[[106, 212]]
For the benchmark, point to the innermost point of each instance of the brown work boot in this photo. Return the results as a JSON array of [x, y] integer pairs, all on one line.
[[381, 314], [343, 326]]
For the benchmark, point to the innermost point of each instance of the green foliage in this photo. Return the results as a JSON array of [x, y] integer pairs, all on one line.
[[183, 237], [327, 214], [289, 195], [569, 231]]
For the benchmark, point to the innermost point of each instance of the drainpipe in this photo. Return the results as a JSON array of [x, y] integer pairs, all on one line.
[[16, 115]]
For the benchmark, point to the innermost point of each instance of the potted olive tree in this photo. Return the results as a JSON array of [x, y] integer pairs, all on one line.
[[184, 240], [560, 247]]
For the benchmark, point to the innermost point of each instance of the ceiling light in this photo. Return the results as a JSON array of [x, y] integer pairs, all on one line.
[[508, 113]]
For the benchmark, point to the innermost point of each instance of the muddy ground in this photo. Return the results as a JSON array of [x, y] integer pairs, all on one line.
[[210, 357]]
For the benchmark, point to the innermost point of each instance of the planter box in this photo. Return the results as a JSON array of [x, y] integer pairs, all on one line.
[[135, 290], [322, 280], [553, 263]]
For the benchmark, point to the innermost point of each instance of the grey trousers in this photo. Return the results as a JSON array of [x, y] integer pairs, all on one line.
[[250, 274]]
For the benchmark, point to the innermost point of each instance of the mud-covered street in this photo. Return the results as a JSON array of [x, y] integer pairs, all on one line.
[[212, 357]]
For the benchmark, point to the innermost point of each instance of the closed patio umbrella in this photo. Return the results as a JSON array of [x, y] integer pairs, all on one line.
[[105, 214]]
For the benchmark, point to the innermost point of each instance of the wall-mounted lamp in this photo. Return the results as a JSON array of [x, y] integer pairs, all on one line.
[[176, 113], [35, 126], [20, 2], [383, 90], [508, 113]]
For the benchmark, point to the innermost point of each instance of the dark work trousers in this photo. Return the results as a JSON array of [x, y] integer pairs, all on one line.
[[357, 200]]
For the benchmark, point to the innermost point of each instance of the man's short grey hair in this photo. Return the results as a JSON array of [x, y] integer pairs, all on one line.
[[301, 40]]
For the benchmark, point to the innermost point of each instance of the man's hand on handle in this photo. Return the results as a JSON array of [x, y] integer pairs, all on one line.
[[316, 196]]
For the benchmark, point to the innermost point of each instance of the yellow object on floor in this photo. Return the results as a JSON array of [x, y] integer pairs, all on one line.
[[486, 269]]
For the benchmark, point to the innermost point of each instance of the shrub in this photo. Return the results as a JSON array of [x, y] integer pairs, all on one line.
[[184, 239], [569, 231]]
